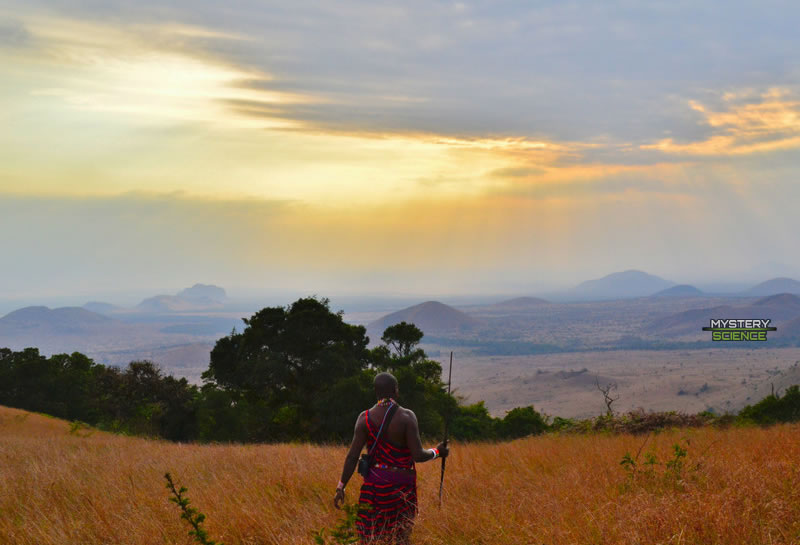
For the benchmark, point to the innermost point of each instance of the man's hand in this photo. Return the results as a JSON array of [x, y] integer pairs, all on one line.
[[443, 449], [338, 499]]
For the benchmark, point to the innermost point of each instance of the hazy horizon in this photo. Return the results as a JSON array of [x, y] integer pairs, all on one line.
[[351, 301], [450, 148]]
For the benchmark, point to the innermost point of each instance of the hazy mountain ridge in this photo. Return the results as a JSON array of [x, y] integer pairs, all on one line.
[[775, 286], [520, 304], [44, 319], [100, 307], [204, 292], [175, 344], [177, 330], [782, 309], [681, 290], [174, 303], [630, 283], [198, 297]]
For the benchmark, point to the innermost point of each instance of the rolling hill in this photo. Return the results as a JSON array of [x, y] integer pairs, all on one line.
[[775, 286], [781, 309], [432, 317], [66, 329], [41, 320], [109, 340]]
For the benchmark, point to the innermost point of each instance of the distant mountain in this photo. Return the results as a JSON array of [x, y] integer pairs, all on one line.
[[784, 301], [45, 321], [204, 292], [100, 308], [106, 339], [622, 284], [173, 303], [782, 309], [790, 329], [198, 297], [691, 321], [432, 317], [775, 286], [681, 290], [520, 304]]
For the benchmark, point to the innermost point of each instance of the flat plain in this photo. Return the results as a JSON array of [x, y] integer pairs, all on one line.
[[682, 380]]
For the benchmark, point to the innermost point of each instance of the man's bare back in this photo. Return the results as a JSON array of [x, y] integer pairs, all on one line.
[[403, 430]]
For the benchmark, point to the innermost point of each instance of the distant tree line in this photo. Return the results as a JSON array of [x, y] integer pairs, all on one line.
[[138, 400], [294, 373]]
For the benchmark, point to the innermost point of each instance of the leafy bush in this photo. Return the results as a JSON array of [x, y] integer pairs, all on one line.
[[521, 422], [773, 409]]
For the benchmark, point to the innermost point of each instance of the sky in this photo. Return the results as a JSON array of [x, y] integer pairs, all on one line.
[[395, 147]]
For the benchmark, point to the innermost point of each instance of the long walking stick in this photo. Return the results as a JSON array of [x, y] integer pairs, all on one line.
[[446, 429]]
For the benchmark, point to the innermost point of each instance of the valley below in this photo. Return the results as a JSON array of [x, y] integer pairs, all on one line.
[[549, 353], [722, 380]]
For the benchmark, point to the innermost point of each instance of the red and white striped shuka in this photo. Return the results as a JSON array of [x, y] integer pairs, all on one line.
[[388, 498]]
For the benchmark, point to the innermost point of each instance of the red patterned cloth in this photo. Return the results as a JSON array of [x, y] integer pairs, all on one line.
[[388, 498]]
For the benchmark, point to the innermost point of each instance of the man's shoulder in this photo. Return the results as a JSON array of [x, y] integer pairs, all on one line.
[[407, 413], [361, 421]]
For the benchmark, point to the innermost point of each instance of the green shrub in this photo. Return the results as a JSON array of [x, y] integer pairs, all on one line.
[[773, 409]]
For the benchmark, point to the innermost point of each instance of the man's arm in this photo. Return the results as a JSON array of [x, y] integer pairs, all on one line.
[[351, 460], [414, 442]]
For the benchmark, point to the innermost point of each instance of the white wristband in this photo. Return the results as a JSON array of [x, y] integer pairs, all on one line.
[[435, 453]]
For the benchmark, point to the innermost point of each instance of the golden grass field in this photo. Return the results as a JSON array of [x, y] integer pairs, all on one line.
[[740, 486]]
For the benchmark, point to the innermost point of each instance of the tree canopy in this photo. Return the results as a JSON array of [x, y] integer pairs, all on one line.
[[298, 372]]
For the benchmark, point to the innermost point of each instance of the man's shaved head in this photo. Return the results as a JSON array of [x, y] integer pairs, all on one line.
[[385, 385]]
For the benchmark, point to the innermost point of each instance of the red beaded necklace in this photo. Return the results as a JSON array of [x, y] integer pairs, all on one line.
[[385, 402]]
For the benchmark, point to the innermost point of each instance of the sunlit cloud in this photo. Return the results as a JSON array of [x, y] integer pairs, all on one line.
[[744, 125], [148, 72], [303, 142]]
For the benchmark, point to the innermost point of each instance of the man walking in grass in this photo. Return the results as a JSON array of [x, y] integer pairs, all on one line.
[[388, 496]]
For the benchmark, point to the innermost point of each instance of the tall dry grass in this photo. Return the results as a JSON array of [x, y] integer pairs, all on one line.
[[739, 486]]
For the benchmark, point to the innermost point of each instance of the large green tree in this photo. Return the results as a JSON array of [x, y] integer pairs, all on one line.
[[293, 365]]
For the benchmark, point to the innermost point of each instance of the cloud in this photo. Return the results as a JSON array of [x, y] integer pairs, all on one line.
[[14, 34], [381, 137], [153, 72], [744, 123], [559, 71], [551, 73], [518, 172]]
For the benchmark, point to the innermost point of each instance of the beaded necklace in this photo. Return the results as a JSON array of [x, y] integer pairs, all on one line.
[[385, 402]]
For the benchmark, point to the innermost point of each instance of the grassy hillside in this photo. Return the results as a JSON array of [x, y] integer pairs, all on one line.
[[733, 486]]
